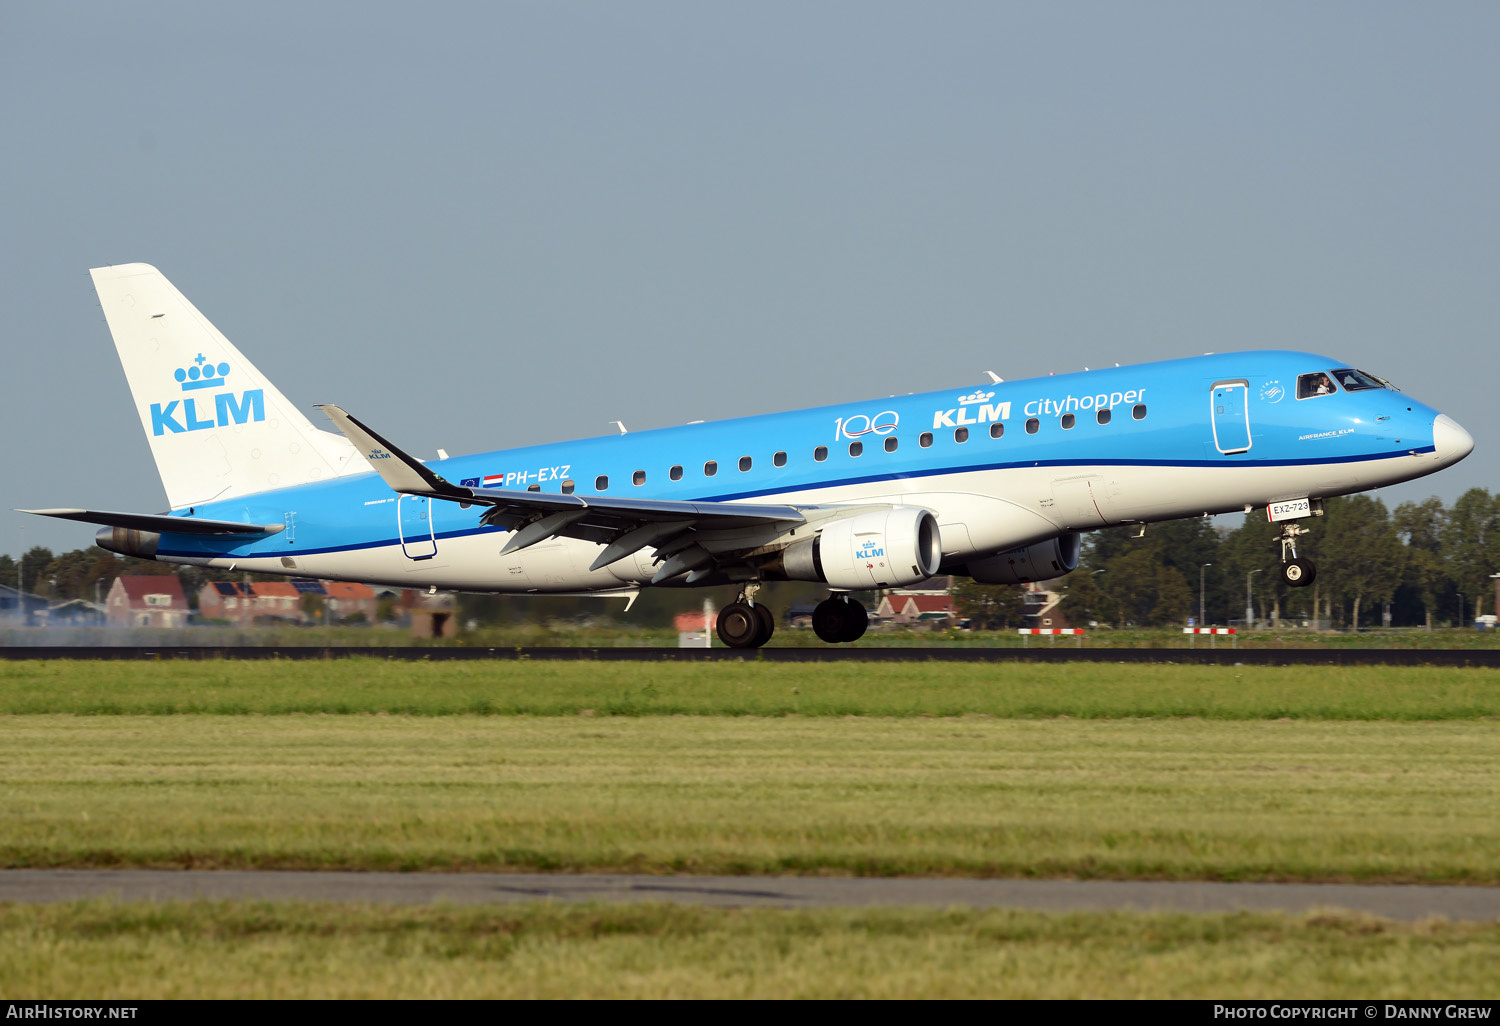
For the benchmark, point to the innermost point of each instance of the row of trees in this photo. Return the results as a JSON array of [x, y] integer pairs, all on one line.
[[1423, 564]]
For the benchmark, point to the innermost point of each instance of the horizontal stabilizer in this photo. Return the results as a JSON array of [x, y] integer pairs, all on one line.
[[159, 523]]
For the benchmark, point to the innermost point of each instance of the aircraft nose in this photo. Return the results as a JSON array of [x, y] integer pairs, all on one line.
[[1450, 442]]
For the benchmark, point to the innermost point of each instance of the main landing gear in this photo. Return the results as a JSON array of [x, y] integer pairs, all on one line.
[[746, 623], [1295, 571], [840, 618]]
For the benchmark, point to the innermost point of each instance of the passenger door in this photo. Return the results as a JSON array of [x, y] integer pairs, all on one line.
[[1231, 416]]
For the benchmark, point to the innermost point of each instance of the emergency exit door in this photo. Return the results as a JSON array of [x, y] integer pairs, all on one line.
[[1231, 416]]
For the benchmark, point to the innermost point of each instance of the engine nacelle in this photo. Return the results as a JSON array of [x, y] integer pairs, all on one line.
[[886, 549], [128, 541], [1039, 561]]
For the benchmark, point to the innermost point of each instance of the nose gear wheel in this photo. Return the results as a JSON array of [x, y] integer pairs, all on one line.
[[1295, 571]]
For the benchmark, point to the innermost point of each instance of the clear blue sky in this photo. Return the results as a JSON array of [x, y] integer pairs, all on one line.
[[490, 224]]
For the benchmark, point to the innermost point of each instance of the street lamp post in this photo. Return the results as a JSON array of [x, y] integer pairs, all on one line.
[[1096, 573], [1202, 619], [1249, 602]]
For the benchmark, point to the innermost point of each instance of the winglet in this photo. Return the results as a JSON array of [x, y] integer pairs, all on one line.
[[403, 473]]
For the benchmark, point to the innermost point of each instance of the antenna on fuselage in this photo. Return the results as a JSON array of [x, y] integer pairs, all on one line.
[[619, 424], [995, 379]]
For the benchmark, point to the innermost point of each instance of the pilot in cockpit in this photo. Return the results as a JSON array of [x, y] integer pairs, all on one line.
[[1309, 385]]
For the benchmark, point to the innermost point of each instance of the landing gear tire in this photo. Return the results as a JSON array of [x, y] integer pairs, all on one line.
[[839, 620], [1298, 573], [739, 626], [767, 624], [858, 624]]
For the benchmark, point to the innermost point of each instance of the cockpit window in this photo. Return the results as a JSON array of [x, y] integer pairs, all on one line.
[[1309, 385], [1357, 380]]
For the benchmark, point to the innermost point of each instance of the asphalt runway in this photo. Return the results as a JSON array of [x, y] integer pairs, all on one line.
[[1398, 902]]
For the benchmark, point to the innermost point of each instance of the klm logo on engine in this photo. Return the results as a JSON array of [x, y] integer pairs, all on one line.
[[188, 415]]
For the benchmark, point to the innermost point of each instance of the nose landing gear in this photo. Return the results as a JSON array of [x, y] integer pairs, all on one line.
[[1295, 571]]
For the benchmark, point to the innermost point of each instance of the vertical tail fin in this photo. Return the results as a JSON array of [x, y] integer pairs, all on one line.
[[217, 427]]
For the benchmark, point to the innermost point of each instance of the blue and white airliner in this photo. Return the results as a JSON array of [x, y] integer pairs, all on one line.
[[994, 481]]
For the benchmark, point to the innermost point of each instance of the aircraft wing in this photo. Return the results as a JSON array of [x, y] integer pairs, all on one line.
[[160, 523], [625, 525]]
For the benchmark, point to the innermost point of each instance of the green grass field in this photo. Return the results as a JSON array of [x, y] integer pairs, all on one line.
[[1167, 799], [1123, 771], [255, 950], [564, 688]]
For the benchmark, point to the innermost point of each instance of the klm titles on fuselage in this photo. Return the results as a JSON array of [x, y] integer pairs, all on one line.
[[974, 408], [978, 407], [229, 408]]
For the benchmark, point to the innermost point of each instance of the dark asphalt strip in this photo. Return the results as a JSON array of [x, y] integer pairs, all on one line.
[[1401, 902]]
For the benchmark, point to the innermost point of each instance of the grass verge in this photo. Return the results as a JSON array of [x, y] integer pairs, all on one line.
[[290, 950], [540, 688], [1152, 799]]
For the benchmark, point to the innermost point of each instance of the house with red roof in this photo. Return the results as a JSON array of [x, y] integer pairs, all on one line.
[[139, 600], [903, 608], [345, 600], [252, 602]]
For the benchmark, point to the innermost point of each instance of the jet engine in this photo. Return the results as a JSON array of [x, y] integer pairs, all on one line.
[[885, 549], [128, 541], [1039, 561]]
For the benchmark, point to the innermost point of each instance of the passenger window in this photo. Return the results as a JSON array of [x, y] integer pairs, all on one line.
[[710, 468], [820, 453], [1139, 411], [533, 488], [744, 464], [997, 430], [1103, 415], [638, 478], [568, 486], [1032, 425], [779, 460], [1068, 420], [855, 448], [925, 439], [675, 473], [1311, 385], [961, 434], [891, 443], [601, 482]]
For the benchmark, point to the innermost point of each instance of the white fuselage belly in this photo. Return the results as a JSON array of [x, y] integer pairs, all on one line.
[[979, 513]]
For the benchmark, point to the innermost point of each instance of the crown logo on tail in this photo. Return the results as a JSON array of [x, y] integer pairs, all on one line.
[[200, 376]]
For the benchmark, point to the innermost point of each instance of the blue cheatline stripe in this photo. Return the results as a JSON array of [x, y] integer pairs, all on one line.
[[867, 479]]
